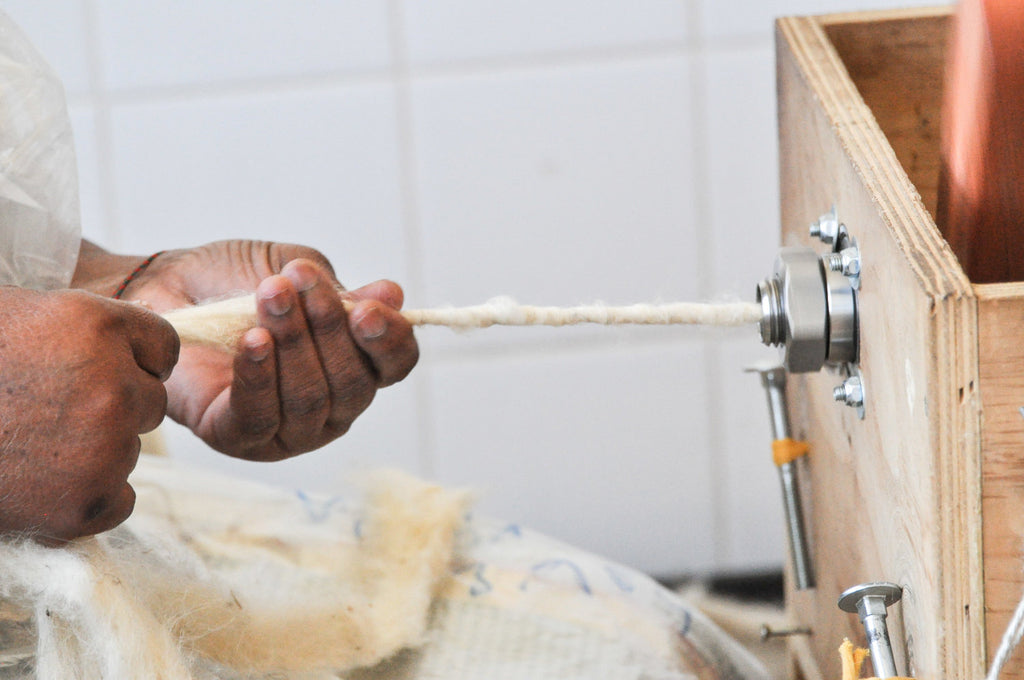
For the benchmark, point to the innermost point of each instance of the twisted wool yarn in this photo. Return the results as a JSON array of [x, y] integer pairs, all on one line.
[[222, 323], [156, 599]]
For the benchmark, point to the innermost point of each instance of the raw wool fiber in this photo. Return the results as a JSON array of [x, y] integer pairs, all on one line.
[[143, 601], [223, 323]]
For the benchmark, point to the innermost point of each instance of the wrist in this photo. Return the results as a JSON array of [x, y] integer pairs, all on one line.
[[135, 274], [100, 271]]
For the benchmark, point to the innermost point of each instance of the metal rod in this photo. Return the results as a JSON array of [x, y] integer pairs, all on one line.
[[774, 381], [802, 569], [881, 647]]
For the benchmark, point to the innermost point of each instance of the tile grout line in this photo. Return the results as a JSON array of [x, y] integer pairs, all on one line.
[[720, 513], [401, 78], [103, 130], [472, 67]]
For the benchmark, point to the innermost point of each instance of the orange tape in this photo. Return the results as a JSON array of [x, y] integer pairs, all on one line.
[[853, 659], [787, 450]]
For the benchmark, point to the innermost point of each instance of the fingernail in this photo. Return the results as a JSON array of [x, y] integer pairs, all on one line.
[[278, 304], [372, 324], [300, 276], [257, 350]]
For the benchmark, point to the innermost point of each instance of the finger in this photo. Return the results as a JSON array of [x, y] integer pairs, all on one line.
[[302, 388], [384, 335], [97, 498], [388, 292], [107, 511], [255, 413], [110, 499], [153, 341], [280, 254], [149, 403], [97, 514], [350, 378]]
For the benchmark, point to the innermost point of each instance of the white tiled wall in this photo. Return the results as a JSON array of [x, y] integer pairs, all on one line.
[[560, 151]]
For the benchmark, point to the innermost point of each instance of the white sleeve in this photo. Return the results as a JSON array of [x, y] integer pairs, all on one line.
[[40, 228]]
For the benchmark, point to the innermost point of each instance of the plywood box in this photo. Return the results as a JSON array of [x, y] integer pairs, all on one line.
[[928, 489]]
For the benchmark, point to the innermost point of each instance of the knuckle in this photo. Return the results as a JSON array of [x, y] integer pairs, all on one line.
[[110, 400], [260, 428], [290, 335], [282, 253], [404, 367], [154, 409], [358, 398], [341, 425], [329, 322], [171, 344], [352, 378], [306, 402], [398, 359], [88, 313], [254, 381]]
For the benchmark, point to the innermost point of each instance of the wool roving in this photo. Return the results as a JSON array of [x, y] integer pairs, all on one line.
[[196, 598]]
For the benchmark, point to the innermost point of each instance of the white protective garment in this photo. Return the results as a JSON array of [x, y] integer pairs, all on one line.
[[40, 228]]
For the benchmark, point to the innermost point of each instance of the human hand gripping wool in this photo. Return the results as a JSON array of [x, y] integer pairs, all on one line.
[[80, 378]]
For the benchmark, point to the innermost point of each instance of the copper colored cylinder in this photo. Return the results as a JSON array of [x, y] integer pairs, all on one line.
[[981, 188]]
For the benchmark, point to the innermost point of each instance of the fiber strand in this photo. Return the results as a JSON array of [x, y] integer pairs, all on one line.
[[222, 323]]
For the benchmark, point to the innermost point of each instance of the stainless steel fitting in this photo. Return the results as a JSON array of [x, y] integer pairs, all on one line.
[[870, 601], [810, 309]]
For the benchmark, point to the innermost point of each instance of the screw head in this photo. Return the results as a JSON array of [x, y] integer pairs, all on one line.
[[890, 593]]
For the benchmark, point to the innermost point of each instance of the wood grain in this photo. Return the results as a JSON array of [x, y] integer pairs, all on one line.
[[896, 496], [1000, 326]]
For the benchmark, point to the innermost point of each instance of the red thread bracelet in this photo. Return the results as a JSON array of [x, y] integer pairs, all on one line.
[[135, 272]]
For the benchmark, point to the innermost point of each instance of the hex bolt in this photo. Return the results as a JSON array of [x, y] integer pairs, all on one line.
[[826, 228], [846, 261], [870, 601], [851, 392]]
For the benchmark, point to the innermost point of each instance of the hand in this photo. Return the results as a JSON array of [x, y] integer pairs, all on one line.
[[80, 378], [305, 373]]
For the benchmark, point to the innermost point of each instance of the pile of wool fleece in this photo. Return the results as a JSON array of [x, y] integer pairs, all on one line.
[[198, 586]]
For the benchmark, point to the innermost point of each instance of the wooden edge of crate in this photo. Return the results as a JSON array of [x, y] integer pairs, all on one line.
[[880, 15], [954, 412], [1001, 354], [999, 291]]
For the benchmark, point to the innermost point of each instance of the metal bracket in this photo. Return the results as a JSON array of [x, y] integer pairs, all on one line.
[[809, 307]]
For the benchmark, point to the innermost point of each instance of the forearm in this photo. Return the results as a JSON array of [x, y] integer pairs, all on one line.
[[100, 271]]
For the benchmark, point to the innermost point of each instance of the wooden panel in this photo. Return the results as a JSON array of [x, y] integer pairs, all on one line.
[[895, 496], [897, 66], [1001, 371]]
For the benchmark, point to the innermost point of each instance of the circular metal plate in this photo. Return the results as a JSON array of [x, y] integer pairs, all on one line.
[[850, 597]]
